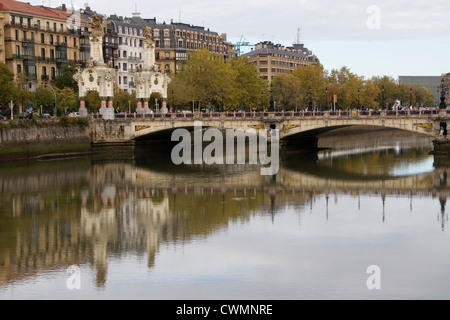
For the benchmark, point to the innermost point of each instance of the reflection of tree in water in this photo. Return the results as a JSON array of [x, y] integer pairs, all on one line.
[[87, 214]]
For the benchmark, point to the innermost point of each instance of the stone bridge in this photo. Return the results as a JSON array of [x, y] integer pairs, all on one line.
[[129, 128]]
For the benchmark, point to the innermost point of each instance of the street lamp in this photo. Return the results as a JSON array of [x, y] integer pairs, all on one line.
[[173, 99], [443, 105], [310, 103], [326, 98], [272, 105], [47, 85], [410, 97], [359, 92], [382, 98]]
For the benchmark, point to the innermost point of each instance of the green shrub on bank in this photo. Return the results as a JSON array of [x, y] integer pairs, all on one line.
[[64, 122]]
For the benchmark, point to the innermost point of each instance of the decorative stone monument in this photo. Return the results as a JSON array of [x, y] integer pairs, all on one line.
[[97, 76], [148, 79]]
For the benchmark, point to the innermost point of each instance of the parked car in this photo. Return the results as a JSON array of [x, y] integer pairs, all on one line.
[[74, 114], [45, 116]]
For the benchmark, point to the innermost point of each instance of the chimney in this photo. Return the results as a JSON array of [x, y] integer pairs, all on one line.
[[63, 8]]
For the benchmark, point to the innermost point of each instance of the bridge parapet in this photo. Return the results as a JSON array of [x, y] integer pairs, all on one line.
[[340, 114]]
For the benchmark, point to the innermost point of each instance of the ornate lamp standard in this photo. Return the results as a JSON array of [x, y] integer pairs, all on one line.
[[326, 98], [359, 92], [443, 105], [47, 85], [382, 97], [410, 97], [310, 103]]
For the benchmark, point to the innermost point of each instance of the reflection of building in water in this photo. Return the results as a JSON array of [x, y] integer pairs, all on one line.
[[107, 210]]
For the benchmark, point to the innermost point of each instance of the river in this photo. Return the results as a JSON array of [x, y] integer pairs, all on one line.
[[365, 218]]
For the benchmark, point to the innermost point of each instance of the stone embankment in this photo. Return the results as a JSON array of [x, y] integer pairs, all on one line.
[[25, 139]]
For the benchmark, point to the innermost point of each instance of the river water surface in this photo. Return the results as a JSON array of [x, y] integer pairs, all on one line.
[[87, 228]]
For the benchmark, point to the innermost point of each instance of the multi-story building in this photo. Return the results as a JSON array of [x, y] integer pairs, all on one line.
[[272, 59], [172, 42], [128, 57], [36, 41], [444, 89]]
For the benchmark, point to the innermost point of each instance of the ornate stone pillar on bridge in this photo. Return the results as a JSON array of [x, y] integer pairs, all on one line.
[[97, 76], [148, 79]]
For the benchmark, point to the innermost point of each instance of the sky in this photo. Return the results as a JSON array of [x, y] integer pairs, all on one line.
[[371, 37]]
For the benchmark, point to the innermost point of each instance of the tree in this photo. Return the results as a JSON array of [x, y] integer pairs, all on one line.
[[65, 78], [207, 75], [247, 85], [44, 97], [6, 86], [22, 94], [67, 100]]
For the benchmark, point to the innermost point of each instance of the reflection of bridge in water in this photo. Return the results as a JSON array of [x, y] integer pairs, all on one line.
[[89, 213]]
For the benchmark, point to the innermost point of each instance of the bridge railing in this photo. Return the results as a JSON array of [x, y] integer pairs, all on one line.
[[338, 114]]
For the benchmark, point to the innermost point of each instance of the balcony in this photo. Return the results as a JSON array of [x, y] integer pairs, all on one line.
[[45, 77]]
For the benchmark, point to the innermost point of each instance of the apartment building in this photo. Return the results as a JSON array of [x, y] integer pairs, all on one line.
[[35, 41], [172, 42], [271, 59]]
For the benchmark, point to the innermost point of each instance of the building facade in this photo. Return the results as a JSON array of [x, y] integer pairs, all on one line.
[[271, 59], [172, 41], [36, 41], [444, 89]]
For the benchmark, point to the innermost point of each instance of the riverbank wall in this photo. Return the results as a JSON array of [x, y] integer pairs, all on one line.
[[28, 139]]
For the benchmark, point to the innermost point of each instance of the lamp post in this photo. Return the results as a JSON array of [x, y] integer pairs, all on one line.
[[223, 93], [173, 98], [47, 85], [272, 105], [359, 92], [310, 103], [326, 98], [262, 95], [443, 105], [410, 97], [382, 97]]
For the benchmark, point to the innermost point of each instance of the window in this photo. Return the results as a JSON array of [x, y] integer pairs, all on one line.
[[44, 71], [38, 23], [52, 54], [166, 43], [166, 33], [61, 27], [43, 53], [47, 25], [24, 36], [125, 80], [124, 55], [54, 27], [75, 42], [51, 39], [53, 73], [120, 80], [167, 55], [42, 38], [124, 67], [19, 69], [17, 35], [156, 33], [18, 51]]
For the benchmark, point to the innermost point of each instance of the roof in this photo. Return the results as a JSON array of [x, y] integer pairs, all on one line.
[[275, 51], [27, 9]]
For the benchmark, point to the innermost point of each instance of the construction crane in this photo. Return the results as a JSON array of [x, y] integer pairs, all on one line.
[[242, 43]]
